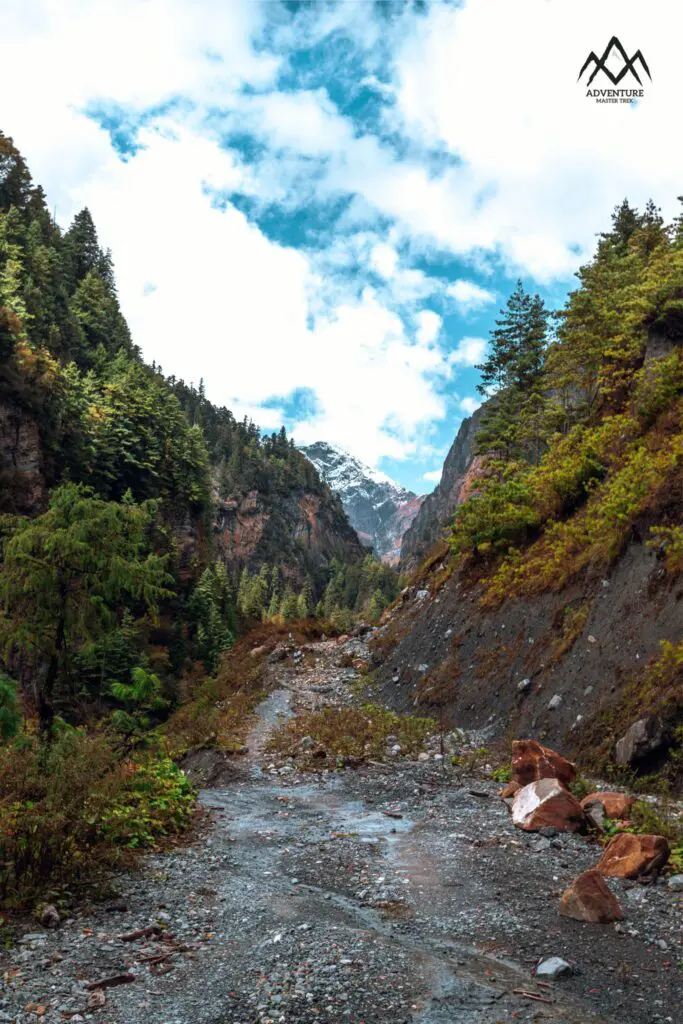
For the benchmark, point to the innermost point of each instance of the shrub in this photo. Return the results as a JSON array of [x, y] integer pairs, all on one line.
[[353, 732], [71, 807]]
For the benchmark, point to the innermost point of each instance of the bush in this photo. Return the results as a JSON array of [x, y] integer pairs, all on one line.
[[353, 732], [71, 807]]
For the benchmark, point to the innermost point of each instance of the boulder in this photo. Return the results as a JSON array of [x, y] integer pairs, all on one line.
[[547, 804], [589, 899], [644, 737], [617, 805], [633, 856], [532, 761]]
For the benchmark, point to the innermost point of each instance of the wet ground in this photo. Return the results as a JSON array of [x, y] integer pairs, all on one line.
[[390, 893]]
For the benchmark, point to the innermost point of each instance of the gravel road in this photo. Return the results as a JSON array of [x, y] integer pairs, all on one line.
[[396, 892]]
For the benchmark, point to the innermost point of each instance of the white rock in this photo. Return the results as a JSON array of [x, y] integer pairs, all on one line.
[[553, 967], [424, 756], [554, 702], [676, 883], [523, 684]]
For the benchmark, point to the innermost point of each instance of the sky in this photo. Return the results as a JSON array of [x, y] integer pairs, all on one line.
[[320, 208]]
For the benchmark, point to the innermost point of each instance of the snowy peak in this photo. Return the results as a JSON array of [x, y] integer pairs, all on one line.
[[380, 510]]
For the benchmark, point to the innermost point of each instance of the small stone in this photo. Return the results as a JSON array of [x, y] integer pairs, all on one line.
[[553, 967], [676, 883], [554, 702], [616, 805], [591, 639], [523, 685], [424, 756], [395, 750], [49, 917]]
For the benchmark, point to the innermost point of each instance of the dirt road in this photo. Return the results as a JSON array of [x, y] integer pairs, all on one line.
[[384, 894]]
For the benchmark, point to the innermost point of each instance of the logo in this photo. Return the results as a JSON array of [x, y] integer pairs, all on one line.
[[615, 64]]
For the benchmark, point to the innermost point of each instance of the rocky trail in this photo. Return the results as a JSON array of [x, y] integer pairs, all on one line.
[[388, 893]]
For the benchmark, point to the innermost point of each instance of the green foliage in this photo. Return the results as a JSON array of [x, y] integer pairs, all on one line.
[[66, 578], [70, 808], [668, 541], [141, 697], [10, 716], [212, 608], [502, 774]]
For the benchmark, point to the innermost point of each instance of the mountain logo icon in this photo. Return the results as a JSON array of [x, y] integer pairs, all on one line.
[[600, 63]]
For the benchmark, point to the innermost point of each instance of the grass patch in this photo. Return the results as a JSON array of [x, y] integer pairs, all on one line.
[[358, 733]]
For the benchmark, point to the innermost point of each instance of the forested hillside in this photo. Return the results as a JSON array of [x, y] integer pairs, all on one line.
[[569, 543], [143, 530]]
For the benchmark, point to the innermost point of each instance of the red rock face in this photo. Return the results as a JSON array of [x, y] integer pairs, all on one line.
[[547, 804], [631, 856], [589, 899], [532, 761], [510, 790], [617, 805]]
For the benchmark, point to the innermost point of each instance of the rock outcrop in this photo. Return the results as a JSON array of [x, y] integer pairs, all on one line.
[[457, 481], [379, 510], [301, 532], [22, 484]]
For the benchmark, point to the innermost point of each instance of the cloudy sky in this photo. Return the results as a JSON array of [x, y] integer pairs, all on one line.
[[319, 208]]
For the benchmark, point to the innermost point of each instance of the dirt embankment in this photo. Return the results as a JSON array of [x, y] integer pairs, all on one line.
[[541, 667]]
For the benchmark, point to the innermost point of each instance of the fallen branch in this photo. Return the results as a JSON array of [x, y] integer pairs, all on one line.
[[111, 981], [531, 995]]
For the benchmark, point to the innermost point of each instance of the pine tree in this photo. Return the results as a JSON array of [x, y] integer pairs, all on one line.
[[65, 578], [517, 344]]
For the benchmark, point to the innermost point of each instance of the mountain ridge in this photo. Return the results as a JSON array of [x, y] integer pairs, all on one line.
[[379, 509]]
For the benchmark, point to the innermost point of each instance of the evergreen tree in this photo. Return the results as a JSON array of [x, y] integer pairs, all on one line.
[[65, 578]]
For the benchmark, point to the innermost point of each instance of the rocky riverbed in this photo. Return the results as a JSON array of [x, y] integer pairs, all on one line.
[[394, 892]]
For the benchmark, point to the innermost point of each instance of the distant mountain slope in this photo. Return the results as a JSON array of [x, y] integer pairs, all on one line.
[[430, 524], [379, 509]]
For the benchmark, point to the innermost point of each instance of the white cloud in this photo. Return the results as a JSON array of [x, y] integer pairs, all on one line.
[[384, 260], [469, 296], [469, 351], [469, 404], [433, 475], [535, 168]]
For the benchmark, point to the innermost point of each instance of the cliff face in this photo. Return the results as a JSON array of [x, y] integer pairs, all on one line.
[[301, 532], [379, 509], [22, 486], [431, 521]]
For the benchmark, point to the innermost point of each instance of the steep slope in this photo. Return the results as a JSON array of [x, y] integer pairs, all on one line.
[[430, 524], [78, 403], [554, 611], [379, 509]]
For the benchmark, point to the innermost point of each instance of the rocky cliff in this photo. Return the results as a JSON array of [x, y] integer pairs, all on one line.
[[431, 521], [22, 485], [379, 509], [301, 532]]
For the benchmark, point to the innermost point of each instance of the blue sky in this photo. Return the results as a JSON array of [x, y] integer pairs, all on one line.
[[320, 208]]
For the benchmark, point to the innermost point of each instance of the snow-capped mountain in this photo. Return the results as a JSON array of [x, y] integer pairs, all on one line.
[[380, 510]]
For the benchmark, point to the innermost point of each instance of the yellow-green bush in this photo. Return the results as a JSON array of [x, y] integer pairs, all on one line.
[[353, 732]]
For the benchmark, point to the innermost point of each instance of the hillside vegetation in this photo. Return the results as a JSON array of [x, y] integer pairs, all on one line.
[[121, 592], [581, 458]]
